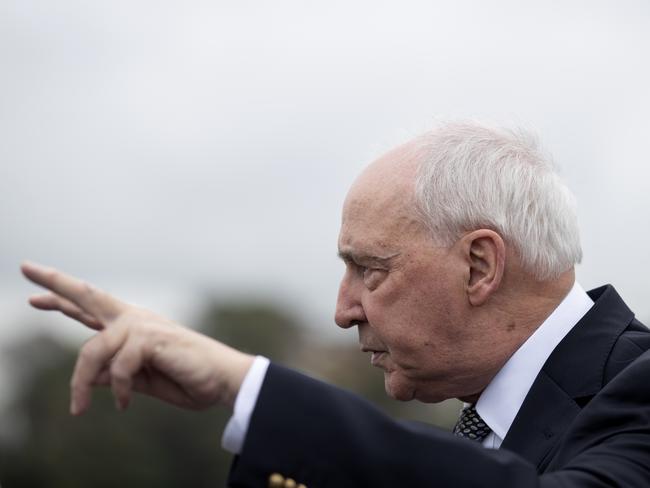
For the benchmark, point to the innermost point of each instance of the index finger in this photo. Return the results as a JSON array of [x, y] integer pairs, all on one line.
[[90, 299]]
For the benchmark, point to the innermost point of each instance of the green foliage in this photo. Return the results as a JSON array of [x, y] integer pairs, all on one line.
[[256, 328]]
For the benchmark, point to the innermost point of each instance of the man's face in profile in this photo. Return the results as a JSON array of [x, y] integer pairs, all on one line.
[[404, 293]]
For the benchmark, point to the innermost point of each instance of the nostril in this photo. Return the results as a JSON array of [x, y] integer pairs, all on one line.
[[348, 315], [345, 321]]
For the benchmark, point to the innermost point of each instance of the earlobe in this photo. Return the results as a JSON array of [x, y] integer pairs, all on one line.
[[485, 253]]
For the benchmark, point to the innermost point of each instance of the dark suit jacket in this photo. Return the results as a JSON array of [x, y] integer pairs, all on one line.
[[584, 423]]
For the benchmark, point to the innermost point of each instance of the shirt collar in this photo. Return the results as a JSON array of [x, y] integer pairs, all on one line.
[[501, 400]]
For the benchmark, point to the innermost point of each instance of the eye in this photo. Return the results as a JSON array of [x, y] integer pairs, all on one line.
[[372, 277], [362, 271]]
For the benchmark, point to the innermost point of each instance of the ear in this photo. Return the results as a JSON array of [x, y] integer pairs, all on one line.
[[485, 254]]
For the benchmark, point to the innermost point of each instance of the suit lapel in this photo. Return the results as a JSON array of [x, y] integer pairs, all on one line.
[[573, 372], [546, 413]]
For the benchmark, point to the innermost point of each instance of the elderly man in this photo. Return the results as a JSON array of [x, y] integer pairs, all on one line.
[[459, 249]]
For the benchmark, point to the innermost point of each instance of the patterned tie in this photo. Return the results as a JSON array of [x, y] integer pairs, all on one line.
[[471, 425]]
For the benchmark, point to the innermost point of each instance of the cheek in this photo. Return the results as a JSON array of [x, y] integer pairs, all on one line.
[[415, 321], [421, 292]]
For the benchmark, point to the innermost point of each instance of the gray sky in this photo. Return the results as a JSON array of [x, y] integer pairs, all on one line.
[[163, 148]]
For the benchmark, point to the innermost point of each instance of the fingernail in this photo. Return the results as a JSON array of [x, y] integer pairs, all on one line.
[[74, 409]]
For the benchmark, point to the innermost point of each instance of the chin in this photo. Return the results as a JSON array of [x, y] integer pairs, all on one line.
[[404, 391], [398, 390], [432, 398]]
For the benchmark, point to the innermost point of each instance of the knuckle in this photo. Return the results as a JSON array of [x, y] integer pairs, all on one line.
[[87, 352], [127, 318], [51, 274], [139, 322], [88, 289], [75, 384], [106, 339], [119, 374], [93, 347], [52, 277]]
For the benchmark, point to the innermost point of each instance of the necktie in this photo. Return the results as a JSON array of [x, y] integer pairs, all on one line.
[[471, 425]]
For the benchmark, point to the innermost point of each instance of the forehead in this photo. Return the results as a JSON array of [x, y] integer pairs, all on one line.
[[379, 211]]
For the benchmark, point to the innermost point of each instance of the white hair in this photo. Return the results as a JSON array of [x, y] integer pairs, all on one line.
[[474, 176]]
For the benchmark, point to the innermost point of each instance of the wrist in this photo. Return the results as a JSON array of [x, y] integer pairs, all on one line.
[[238, 366]]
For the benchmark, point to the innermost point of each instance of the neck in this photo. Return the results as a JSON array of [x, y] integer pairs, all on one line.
[[535, 301], [516, 314]]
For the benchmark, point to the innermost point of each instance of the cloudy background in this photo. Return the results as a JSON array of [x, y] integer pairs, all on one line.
[[171, 151]]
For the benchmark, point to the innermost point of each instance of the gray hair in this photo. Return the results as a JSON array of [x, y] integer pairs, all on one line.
[[474, 176]]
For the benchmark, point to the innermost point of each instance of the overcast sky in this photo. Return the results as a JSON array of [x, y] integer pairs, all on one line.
[[165, 149]]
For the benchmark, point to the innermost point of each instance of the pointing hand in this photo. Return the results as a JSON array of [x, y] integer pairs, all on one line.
[[137, 350]]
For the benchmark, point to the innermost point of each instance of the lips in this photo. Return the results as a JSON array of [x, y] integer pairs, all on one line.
[[376, 357]]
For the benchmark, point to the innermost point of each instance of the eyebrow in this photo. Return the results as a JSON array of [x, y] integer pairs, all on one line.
[[355, 257]]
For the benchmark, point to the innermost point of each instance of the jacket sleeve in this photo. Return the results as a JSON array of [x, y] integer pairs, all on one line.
[[324, 437]]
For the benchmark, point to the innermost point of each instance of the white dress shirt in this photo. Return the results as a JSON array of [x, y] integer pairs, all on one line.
[[501, 400], [235, 432], [498, 404]]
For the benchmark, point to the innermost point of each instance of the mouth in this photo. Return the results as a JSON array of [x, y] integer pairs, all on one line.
[[376, 354], [376, 357]]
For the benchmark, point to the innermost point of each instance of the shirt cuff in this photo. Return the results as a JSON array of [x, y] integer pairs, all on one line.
[[235, 432]]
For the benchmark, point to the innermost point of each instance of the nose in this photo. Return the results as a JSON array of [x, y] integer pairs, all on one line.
[[349, 311]]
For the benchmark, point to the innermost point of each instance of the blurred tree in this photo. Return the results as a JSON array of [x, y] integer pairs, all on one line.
[[254, 327]]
